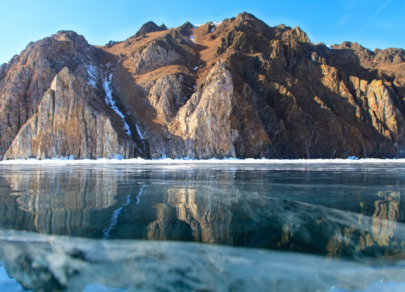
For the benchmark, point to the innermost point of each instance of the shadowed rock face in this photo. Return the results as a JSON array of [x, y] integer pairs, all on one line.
[[235, 89]]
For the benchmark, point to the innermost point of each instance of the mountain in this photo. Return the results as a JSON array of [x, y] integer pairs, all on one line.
[[233, 89]]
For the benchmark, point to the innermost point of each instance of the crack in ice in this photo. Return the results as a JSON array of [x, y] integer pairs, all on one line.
[[114, 219], [138, 197]]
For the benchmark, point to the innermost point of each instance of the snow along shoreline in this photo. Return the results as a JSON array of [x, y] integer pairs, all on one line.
[[234, 161]]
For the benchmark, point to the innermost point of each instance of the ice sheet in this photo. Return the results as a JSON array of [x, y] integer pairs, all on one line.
[[78, 264]]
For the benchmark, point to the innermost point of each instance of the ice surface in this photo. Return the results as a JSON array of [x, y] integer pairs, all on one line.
[[138, 197], [379, 286], [114, 220], [84, 265], [101, 288], [108, 97]]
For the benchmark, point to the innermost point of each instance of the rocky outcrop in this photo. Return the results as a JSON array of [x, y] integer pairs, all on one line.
[[69, 123], [148, 27], [204, 122], [28, 76], [153, 57], [166, 96]]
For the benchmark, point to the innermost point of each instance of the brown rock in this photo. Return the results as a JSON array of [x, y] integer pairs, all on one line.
[[67, 123]]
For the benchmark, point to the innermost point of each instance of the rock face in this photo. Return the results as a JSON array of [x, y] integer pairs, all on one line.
[[235, 89], [203, 123], [69, 123]]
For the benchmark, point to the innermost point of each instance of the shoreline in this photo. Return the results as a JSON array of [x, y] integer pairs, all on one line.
[[235, 161]]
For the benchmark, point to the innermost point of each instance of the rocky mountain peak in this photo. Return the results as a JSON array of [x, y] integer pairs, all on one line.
[[150, 27], [244, 16], [78, 41], [186, 29], [390, 56]]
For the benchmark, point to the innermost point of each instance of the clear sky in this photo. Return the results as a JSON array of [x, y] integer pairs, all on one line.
[[372, 23]]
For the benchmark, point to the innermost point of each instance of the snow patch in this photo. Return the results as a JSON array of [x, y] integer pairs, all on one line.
[[92, 72], [108, 97], [187, 160], [215, 24], [139, 132], [192, 38]]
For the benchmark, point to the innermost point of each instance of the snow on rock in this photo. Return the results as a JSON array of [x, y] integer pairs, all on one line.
[[192, 38], [93, 74], [139, 132], [108, 96], [215, 24]]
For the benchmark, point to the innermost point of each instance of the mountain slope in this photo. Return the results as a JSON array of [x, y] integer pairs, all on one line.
[[233, 89]]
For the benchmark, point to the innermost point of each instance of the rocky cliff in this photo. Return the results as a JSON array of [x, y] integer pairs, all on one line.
[[233, 89]]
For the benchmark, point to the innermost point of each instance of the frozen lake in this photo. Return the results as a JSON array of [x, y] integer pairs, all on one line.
[[210, 226]]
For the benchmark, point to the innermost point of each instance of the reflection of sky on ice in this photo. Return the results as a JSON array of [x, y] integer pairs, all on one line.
[[378, 287], [7, 284]]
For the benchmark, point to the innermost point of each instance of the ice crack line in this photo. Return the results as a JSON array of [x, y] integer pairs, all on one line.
[[138, 197], [114, 220]]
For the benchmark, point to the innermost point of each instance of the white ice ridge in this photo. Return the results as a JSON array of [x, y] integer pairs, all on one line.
[[108, 96], [138, 197], [114, 220], [186, 160]]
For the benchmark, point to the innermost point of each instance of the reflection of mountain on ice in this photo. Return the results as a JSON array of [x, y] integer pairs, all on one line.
[[55, 202], [239, 205]]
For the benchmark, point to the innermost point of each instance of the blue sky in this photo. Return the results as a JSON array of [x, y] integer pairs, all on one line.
[[372, 23]]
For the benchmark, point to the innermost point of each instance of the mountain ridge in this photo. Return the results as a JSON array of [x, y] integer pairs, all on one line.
[[238, 88]]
